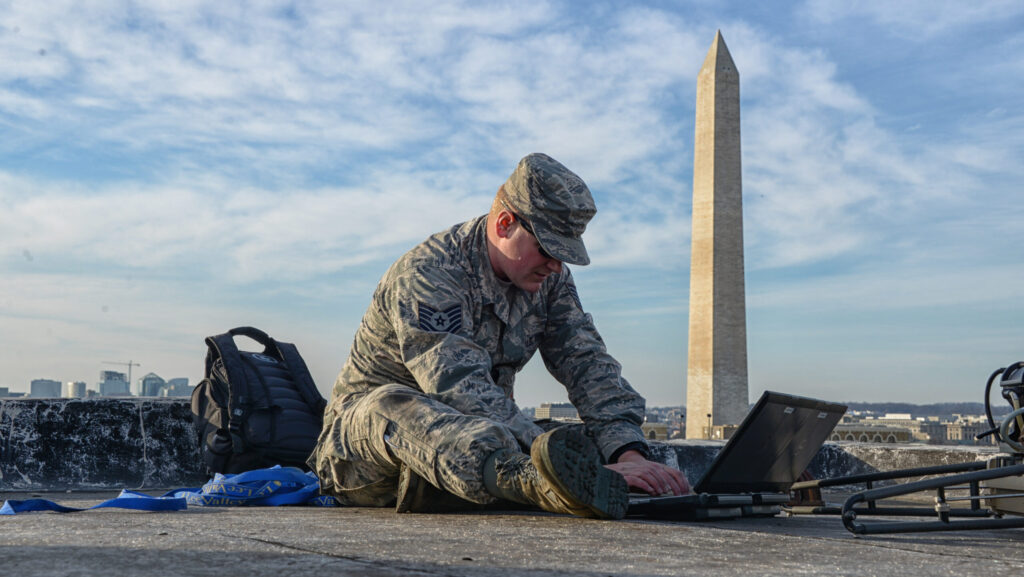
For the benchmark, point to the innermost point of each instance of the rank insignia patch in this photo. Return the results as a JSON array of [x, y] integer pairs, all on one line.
[[433, 320]]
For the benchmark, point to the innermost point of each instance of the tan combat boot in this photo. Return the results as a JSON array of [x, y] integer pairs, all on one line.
[[563, 474]]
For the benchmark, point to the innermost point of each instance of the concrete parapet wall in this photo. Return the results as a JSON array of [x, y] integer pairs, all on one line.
[[48, 444], [871, 457], [57, 444], [833, 459]]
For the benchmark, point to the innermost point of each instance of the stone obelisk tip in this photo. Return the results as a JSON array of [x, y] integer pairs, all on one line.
[[718, 57]]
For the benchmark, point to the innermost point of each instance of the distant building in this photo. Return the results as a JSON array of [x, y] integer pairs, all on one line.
[[557, 412], [151, 385], [719, 432], [4, 392], [953, 429], [918, 427], [655, 431], [45, 389], [177, 387], [871, 433], [963, 430], [114, 384], [935, 430], [74, 389]]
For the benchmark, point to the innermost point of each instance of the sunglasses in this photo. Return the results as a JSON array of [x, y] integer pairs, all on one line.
[[526, 225], [529, 229]]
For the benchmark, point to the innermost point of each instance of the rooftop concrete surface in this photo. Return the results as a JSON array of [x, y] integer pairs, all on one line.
[[360, 541]]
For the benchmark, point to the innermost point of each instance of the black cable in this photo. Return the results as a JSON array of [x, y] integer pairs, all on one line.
[[988, 405]]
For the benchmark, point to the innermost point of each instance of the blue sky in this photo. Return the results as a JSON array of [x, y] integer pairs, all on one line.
[[169, 170]]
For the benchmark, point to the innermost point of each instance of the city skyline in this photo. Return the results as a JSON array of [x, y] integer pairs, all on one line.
[[170, 172], [110, 383]]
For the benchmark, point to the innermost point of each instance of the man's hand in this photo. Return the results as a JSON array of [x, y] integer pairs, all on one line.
[[650, 477]]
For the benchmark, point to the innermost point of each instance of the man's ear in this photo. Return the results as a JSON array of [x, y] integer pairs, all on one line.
[[503, 224]]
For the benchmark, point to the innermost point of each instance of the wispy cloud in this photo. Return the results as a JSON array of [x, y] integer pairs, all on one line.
[[245, 234], [921, 19], [194, 90]]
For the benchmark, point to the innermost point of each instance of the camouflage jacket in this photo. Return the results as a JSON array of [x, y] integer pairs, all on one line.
[[443, 323]]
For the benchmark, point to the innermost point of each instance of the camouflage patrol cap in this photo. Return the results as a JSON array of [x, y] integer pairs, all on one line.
[[555, 202]]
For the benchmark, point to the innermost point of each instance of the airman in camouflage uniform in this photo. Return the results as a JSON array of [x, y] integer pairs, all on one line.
[[427, 391]]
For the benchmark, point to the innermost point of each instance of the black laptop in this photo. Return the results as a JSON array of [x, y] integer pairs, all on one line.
[[753, 472]]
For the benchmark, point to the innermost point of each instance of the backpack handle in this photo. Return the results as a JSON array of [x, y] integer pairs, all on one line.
[[225, 344], [254, 334]]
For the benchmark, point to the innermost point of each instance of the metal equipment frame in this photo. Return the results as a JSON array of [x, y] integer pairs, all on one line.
[[1004, 476]]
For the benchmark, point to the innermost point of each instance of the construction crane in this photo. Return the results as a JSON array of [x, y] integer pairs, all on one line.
[[129, 364]]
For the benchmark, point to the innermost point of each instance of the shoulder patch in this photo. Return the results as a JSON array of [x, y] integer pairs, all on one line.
[[433, 320]]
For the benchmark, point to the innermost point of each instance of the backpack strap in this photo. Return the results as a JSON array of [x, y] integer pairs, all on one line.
[[223, 347], [126, 500], [307, 388], [261, 487]]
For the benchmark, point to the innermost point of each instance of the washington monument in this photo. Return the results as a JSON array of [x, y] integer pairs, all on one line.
[[716, 374]]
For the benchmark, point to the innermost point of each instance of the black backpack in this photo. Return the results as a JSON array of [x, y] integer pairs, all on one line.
[[255, 410]]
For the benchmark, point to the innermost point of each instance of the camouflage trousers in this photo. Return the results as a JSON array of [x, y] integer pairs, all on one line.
[[367, 437]]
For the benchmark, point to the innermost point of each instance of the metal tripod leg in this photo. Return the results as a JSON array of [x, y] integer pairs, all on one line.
[[942, 508]]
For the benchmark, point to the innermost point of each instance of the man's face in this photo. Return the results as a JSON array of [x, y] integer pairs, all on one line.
[[524, 265]]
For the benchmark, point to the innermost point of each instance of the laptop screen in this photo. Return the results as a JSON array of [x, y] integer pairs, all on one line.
[[772, 446]]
